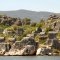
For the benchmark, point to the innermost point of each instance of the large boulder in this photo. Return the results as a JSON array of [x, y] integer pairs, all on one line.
[[28, 41], [43, 51], [29, 50], [2, 39], [56, 44], [38, 30], [27, 46], [24, 42], [51, 37], [4, 47]]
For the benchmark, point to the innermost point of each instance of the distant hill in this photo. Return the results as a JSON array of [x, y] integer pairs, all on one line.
[[33, 15]]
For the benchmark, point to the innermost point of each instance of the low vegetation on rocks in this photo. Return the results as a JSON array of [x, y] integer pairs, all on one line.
[[24, 37]]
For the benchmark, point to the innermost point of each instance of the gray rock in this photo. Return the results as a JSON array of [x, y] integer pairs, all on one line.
[[51, 37], [27, 46], [43, 51], [42, 35], [29, 50], [38, 30], [28, 41], [56, 44], [4, 47], [19, 31], [25, 41], [11, 39], [2, 39]]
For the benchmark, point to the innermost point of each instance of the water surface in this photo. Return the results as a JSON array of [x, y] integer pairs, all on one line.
[[29, 57]]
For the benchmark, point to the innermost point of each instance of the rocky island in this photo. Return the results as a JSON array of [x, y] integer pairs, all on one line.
[[21, 37]]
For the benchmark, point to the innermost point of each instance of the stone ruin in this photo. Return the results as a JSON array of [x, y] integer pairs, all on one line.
[[51, 37], [52, 40], [42, 35]]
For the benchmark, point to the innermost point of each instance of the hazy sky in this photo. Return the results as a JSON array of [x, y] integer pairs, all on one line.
[[34, 5]]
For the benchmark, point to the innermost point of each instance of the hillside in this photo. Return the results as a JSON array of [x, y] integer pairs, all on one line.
[[33, 15], [17, 36]]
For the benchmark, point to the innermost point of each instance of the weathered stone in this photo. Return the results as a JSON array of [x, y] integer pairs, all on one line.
[[42, 35], [53, 17], [6, 31], [25, 41], [19, 31], [52, 34], [29, 50], [56, 44], [27, 46], [51, 37], [4, 47], [2, 39], [43, 51], [11, 39], [28, 41], [13, 52], [30, 35], [38, 30]]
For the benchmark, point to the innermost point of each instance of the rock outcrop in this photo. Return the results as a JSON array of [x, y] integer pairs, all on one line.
[[27, 46], [44, 51], [56, 44], [2, 39]]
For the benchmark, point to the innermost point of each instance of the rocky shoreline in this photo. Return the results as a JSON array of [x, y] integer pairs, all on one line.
[[27, 47], [23, 38]]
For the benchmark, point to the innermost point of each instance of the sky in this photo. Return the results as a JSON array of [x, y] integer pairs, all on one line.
[[34, 5]]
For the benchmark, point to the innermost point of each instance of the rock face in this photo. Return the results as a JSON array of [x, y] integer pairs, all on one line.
[[16, 31], [43, 35], [19, 31], [51, 37], [30, 35], [27, 46], [2, 39], [4, 47], [56, 44], [38, 30], [6, 31], [11, 40], [29, 50], [28, 41], [43, 51]]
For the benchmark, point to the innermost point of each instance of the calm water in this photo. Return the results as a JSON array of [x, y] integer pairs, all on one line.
[[29, 57]]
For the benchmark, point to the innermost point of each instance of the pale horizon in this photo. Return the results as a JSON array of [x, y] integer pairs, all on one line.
[[32, 5]]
